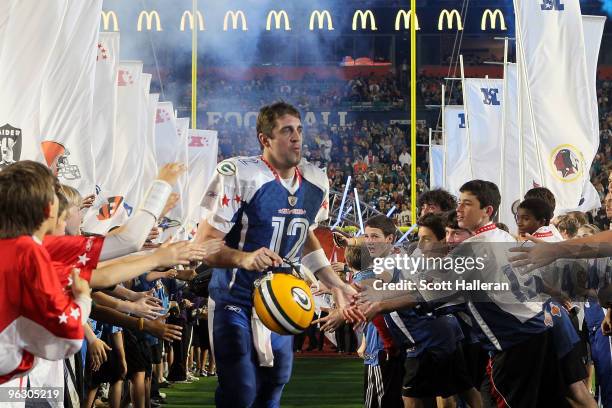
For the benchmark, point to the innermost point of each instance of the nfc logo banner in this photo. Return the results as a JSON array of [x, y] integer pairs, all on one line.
[[549, 5], [461, 117], [490, 96]]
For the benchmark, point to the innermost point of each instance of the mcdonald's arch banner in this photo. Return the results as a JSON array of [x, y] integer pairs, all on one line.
[[436, 166], [456, 154], [484, 103], [66, 102], [105, 107], [203, 148], [24, 54], [550, 34]]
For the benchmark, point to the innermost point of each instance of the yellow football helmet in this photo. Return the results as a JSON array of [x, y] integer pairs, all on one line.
[[283, 303]]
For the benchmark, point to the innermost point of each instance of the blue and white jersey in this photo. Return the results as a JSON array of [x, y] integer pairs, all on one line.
[[504, 317], [254, 208]]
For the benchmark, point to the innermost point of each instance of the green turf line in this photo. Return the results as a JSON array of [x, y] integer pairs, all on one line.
[[316, 382]]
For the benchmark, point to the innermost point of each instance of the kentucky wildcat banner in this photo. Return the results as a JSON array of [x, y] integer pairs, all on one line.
[[456, 154], [66, 101], [550, 34], [484, 102]]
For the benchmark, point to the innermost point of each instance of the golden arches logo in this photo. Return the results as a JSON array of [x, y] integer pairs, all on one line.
[[404, 16], [235, 15], [364, 17], [106, 19], [149, 15], [492, 17], [189, 14], [321, 16], [279, 16], [451, 17]]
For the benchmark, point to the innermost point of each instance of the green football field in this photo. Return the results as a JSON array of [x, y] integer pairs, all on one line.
[[316, 382]]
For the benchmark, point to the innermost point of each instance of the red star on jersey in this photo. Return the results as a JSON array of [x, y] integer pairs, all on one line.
[[237, 199], [324, 205], [225, 200]]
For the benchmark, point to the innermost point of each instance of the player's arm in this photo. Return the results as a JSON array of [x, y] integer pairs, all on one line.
[[227, 257]]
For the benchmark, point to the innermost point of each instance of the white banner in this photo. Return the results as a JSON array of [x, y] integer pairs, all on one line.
[[550, 35], [483, 103], [510, 187], [203, 148], [457, 165], [66, 102], [165, 134], [111, 207], [182, 156], [436, 166], [105, 107], [24, 55]]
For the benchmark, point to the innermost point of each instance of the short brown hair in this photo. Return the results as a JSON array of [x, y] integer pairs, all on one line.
[[357, 257], [266, 120], [383, 223], [26, 189], [72, 195], [569, 225]]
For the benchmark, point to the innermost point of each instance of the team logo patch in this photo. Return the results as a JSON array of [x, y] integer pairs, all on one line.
[[567, 163], [555, 311], [10, 145], [226, 168], [292, 200], [301, 298], [109, 209], [233, 308]]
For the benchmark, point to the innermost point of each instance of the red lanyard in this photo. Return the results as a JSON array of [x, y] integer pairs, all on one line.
[[275, 173], [488, 227]]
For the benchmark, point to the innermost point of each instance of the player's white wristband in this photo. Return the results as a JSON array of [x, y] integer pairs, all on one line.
[[156, 198], [315, 260]]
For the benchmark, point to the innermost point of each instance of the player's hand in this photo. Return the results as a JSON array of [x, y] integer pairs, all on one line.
[[370, 310], [170, 204], [79, 287], [171, 172], [97, 353], [162, 330], [87, 201], [331, 322], [261, 260], [606, 324], [531, 257], [147, 308]]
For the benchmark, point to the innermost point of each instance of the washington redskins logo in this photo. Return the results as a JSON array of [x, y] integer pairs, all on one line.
[[124, 78], [107, 210], [567, 163]]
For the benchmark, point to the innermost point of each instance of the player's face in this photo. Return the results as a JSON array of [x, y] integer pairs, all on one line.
[[73, 221], [430, 209], [429, 244], [526, 222], [376, 242], [469, 214], [456, 236], [285, 145]]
